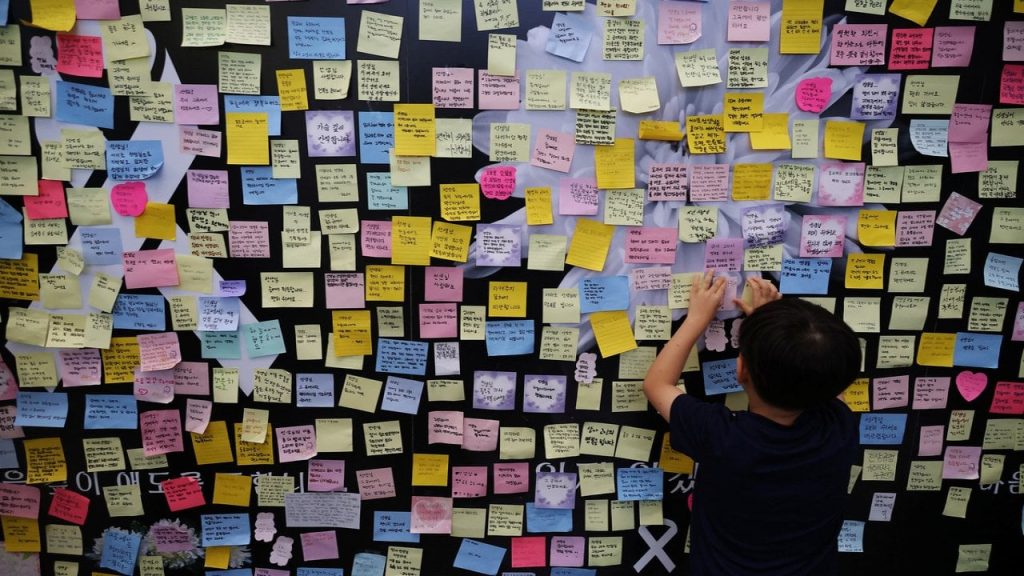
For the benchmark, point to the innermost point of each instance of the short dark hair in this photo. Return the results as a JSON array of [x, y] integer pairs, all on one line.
[[798, 354]]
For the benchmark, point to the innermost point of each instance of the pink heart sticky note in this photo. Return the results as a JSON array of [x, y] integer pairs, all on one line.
[[971, 384], [129, 198], [813, 94]]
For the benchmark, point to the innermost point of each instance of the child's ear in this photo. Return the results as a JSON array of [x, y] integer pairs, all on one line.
[[742, 376]]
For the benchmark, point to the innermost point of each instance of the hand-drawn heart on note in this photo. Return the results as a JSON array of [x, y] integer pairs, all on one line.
[[971, 384], [431, 511]]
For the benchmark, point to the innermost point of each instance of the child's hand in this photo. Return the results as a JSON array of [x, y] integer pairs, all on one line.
[[705, 298], [762, 292]]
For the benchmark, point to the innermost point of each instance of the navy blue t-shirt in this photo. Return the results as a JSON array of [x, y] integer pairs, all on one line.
[[769, 498]]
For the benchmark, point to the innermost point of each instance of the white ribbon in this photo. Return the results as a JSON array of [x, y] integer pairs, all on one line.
[[656, 548]]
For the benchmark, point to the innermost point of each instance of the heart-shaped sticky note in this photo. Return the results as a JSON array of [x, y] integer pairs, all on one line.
[[971, 384]]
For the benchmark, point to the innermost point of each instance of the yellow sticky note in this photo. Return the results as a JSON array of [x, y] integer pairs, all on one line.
[[506, 299], [706, 134], [232, 489], [21, 534], [385, 283], [865, 271], [743, 111], [351, 332], [156, 222], [752, 182], [212, 446], [613, 332], [291, 88], [379, 34], [877, 227], [857, 394], [120, 360], [254, 453], [410, 240], [590, 243], [18, 278], [659, 130], [429, 469], [56, 15], [45, 461], [1006, 127], [415, 134], [450, 241], [538, 206], [615, 164], [774, 134], [247, 135], [800, 27], [936, 349], [1018, 6], [917, 11], [460, 202], [672, 461], [218, 557], [843, 140]]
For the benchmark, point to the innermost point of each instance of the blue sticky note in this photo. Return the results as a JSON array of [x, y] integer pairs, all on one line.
[[509, 337], [314, 390], [569, 37], [382, 195], [882, 429], [851, 536], [805, 275], [393, 527], [225, 345], [402, 395], [316, 38], [5, 6], [561, 571], [8, 454], [548, 519], [720, 377], [1002, 271], [320, 572], [401, 356], [263, 338], [260, 188], [85, 104], [111, 412], [9, 213], [376, 137], [604, 293], [139, 312], [43, 409], [479, 557], [977, 350], [134, 159], [367, 564], [100, 246], [271, 105], [11, 239], [120, 550], [640, 483], [225, 529]]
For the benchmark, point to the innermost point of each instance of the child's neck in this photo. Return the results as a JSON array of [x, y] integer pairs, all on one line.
[[778, 415]]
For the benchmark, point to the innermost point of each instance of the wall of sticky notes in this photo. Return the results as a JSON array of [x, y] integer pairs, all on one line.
[[370, 288]]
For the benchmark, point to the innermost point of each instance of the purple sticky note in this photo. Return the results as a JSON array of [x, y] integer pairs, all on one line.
[[494, 390], [724, 254], [330, 133], [555, 490], [568, 550], [890, 392], [498, 245], [544, 394], [961, 462], [875, 97], [577, 197], [196, 104]]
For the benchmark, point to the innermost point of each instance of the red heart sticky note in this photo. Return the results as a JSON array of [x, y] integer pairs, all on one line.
[[971, 384]]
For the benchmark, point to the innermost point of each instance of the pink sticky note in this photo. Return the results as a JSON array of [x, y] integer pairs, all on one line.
[[1013, 41], [890, 392], [69, 506], [439, 320], [568, 550], [161, 432], [197, 415], [295, 443], [97, 10], [578, 197], [183, 493], [248, 239], [158, 351], [958, 213], [841, 184], [679, 22], [1008, 398], [553, 150], [207, 189], [953, 46], [1018, 323], [969, 122], [319, 545], [930, 443], [480, 435], [529, 552], [723, 254], [199, 142], [498, 92], [80, 367], [748, 22], [445, 427], [345, 290], [511, 477], [813, 94], [431, 515], [709, 183], [271, 572], [192, 379], [971, 384], [648, 245], [171, 538], [326, 475], [150, 268], [930, 392], [129, 198], [442, 284], [8, 383], [498, 182], [375, 238], [50, 203], [196, 104], [667, 182], [19, 500], [376, 483], [968, 157], [156, 386], [911, 49], [822, 236], [80, 55], [469, 481], [1011, 84], [961, 463], [858, 44], [651, 278], [914, 228], [453, 87]]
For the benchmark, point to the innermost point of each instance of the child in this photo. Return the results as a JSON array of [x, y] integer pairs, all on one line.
[[773, 480]]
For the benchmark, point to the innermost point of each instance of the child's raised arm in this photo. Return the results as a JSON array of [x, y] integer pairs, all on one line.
[[660, 383]]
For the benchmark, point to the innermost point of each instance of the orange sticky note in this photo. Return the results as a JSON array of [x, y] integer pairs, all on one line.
[[936, 349], [291, 88], [156, 222], [865, 271]]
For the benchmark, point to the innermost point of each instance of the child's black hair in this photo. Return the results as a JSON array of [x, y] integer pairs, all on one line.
[[798, 354]]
